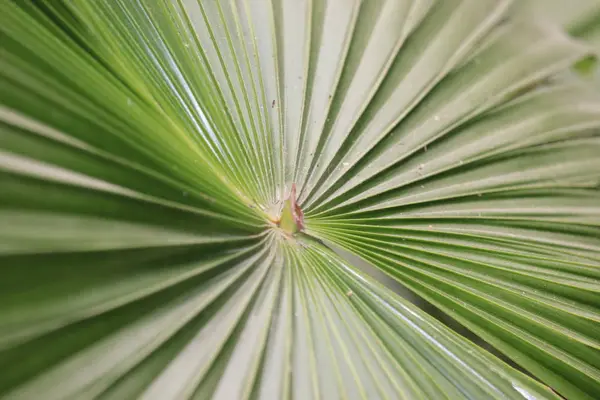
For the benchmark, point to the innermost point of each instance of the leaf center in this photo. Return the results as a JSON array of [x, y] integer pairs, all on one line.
[[291, 220]]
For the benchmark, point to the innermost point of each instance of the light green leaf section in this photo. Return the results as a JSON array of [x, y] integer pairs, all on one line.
[[581, 18], [483, 200], [569, 14], [282, 319], [540, 308], [516, 60], [147, 147]]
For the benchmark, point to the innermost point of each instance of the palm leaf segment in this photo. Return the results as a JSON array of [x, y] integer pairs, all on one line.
[[147, 148]]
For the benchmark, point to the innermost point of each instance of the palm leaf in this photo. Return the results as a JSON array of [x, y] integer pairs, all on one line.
[[580, 18], [573, 16], [151, 156]]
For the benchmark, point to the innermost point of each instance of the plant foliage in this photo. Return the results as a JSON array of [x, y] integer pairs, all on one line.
[[148, 148]]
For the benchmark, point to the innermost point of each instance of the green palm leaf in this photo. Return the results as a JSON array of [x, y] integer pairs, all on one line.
[[152, 154]]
